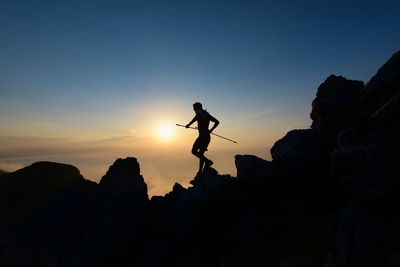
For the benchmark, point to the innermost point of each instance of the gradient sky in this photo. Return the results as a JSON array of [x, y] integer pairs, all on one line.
[[87, 82]]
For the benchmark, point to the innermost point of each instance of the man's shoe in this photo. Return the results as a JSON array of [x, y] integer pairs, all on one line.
[[208, 164]]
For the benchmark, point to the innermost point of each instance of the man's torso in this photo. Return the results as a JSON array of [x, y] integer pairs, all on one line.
[[203, 121]]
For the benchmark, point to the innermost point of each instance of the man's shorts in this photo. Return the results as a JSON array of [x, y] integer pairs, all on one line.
[[201, 142]]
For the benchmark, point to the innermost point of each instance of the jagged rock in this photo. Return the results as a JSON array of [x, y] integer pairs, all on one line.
[[120, 172], [191, 203], [2, 172], [207, 177], [365, 160], [252, 167], [25, 190], [167, 202], [178, 189], [367, 163], [387, 116], [381, 88], [91, 223], [298, 151], [334, 98], [123, 185]]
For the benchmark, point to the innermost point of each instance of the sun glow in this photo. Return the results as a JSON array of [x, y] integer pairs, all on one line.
[[165, 132]]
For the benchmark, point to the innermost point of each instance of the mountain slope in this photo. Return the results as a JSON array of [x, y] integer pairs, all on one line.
[[25, 190]]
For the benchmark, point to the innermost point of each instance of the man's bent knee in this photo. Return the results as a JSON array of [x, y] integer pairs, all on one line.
[[195, 152]]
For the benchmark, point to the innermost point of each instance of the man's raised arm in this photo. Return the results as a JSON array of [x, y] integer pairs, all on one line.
[[191, 122], [216, 123]]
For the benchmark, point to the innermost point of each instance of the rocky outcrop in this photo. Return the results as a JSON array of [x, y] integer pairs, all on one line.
[[365, 161], [329, 197], [251, 167], [219, 220], [379, 90], [22, 192], [299, 152], [334, 98], [2, 172], [83, 218]]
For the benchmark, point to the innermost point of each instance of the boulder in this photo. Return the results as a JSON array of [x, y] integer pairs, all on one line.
[[190, 205], [209, 177], [334, 98], [123, 180], [252, 167], [297, 152], [166, 203]]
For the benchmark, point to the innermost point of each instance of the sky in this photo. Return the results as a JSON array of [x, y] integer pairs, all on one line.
[[87, 82]]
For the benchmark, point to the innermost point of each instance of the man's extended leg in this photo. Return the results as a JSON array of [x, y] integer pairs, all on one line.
[[202, 160], [198, 149], [200, 154]]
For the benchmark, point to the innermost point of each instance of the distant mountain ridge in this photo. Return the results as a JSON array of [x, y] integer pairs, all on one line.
[[329, 197]]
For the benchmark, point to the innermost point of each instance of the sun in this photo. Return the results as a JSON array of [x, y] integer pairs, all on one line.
[[165, 132]]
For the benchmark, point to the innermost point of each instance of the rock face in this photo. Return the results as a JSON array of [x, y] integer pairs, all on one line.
[[334, 98], [252, 167], [25, 190], [329, 197], [367, 162], [383, 87], [299, 152]]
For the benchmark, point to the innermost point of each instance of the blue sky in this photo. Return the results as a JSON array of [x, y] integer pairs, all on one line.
[[101, 69]]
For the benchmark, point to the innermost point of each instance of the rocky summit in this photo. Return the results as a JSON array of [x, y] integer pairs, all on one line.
[[329, 197]]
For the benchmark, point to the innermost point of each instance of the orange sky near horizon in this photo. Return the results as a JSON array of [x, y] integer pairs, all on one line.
[[163, 161]]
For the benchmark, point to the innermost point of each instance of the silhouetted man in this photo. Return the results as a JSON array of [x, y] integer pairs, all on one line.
[[203, 119]]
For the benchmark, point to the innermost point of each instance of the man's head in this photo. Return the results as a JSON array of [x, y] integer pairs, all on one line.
[[197, 106]]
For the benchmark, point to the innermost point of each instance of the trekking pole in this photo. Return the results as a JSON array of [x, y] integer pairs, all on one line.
[[211, 133]]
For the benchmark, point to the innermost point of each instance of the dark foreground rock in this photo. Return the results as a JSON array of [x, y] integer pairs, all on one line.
[[22, 192], [250, 167], [334, 98], [329, 197]]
